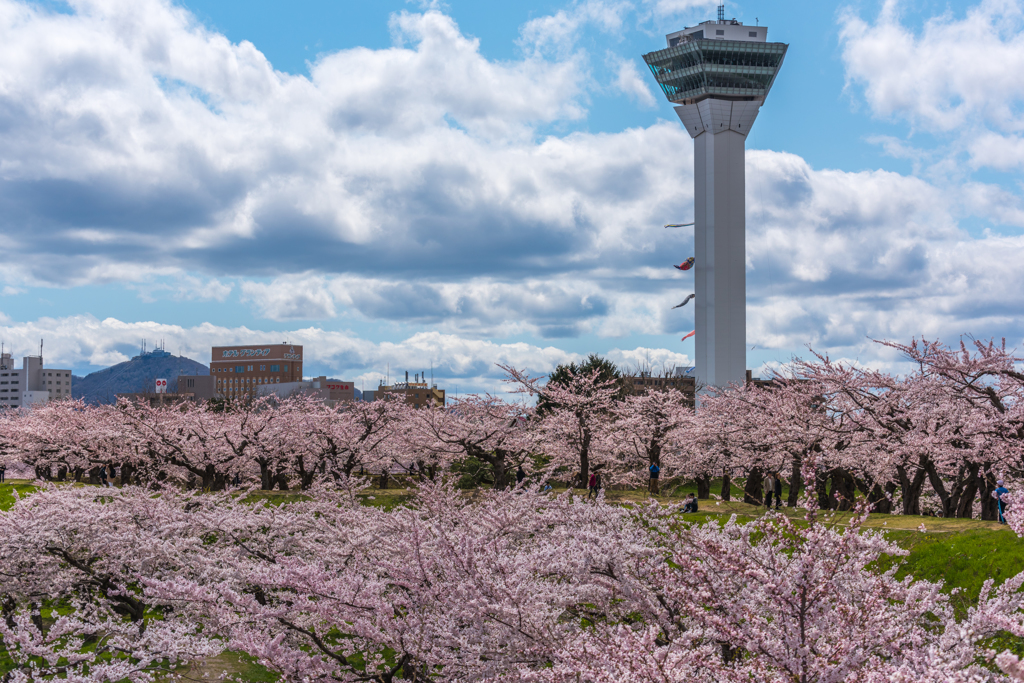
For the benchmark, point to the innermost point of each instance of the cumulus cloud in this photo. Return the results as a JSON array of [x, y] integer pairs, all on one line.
[[629, 81], [559, 32], [958, 75], [671, 8]]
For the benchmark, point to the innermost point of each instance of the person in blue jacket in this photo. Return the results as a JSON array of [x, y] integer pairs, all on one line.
[[1000, 501]]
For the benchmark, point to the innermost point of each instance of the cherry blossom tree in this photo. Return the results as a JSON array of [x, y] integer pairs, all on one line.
[[652, 429], [487, 428], [575, 417]]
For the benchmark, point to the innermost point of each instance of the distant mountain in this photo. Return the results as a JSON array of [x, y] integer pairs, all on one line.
[[138, 374]]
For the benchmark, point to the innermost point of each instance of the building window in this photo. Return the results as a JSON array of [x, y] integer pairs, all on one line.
[[284, 368], [238, 368], [249, 368], [752, 34], [263, 368], [719, 32], [275, 368]]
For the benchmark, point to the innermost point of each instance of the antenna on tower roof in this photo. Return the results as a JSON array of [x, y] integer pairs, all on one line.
[[721, 12]]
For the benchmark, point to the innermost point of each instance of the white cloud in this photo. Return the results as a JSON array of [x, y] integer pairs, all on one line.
[[957, 70], [958, 76], [629, 81], [671, 8], [559, 32]]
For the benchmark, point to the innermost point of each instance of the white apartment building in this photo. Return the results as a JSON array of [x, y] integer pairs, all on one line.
[[32, 383]]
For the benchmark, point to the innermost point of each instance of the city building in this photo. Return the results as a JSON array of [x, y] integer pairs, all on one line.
[[682, 379], [33, 383], [155, 399], [240, 371], [718, 75], [330, 391], [417, 392], [200, 387]]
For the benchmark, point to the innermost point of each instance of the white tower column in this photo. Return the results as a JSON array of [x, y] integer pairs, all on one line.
[[719, 131], [720, 251]]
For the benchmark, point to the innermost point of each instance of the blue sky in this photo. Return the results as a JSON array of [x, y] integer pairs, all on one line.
[[459, 184]]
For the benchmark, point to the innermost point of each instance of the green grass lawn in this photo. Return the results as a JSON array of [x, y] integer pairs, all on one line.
[[8, 488]]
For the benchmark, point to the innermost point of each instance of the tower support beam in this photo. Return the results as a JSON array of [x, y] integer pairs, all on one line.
[[720, 250]]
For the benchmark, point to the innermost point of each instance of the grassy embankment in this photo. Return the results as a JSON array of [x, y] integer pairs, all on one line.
[[963, 553]]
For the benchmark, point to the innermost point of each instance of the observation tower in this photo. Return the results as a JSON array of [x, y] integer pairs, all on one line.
[[718, 75]]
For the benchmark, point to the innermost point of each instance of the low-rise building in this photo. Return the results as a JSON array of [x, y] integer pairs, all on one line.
[[330, 391], [200, 387], [33, 383], [417, 392]]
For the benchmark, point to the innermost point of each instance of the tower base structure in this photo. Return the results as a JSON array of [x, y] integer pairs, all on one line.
[[718, 129]]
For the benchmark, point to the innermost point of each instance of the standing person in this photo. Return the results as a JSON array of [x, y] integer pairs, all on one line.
[[3, 473], [655, 473], [592, 485], [998, 495], [103, 477], [597, 484], [769, 490], [778, 491], [520, 475]]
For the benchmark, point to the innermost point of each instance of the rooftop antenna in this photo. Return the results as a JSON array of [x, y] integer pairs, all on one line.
[[40, 353], [721, 13]]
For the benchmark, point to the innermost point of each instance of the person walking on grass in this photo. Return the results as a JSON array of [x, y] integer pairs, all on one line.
[[778, 491], [769, 490], [999, 494], [520, 475], [655, 473], [3, 473], [592, 485]]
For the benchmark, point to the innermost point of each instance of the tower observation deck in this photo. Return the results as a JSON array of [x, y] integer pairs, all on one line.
[[718, 75]]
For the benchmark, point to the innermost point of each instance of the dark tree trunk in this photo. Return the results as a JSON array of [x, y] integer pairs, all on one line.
[[965, 509], [795, 482], [911, 488], [752, 489], [948, 499], [266, 478], [844, 490], [989, 506], [821, 490], [384, 479], [62, 473], [94, 476], [585, 459], [211, 478], [281, 479], [79, 471], [877, 498], [500, 473], [726, 485], [127, 474], [703, 487]]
